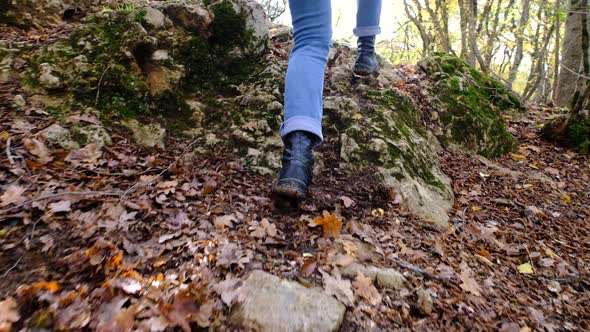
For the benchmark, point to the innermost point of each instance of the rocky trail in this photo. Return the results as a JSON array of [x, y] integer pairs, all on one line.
[[134, 229]]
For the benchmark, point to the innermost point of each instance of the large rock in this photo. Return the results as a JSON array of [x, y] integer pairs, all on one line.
[[268, 303], [468, 105]]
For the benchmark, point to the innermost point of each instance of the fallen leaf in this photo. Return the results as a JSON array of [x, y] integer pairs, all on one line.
[[525, 268], [378, 212], [8, 314], [86, 156], [38, 149], [517, 157], [566, 198], [476, 208], [263, 229], [363, 287], [224, 221], [469, 283], [167, 187], [308, 267], [347, 201], [209, 186], [331, 224], [338, 287], [551, 254], [13, 194], [61, 206]]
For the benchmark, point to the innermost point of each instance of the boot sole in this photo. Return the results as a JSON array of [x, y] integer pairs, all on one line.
[[288, 190]]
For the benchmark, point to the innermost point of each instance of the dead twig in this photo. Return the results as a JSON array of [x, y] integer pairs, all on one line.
[[419, 270], [147, 183], [8, 153], [12, 267], [99, 84]]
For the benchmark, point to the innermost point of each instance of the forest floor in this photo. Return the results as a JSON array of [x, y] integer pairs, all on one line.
[[145, 238]]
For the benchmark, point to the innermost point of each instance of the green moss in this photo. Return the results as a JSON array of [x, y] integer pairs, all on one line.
[[211, 64], [472, 103], [578, 134]]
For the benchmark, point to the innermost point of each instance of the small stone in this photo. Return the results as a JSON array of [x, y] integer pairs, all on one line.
[[385, 278], [19, 101], [153, 19], [59, 135], [425, 302], [268, 303], [46, 77], [160, 55], [275, 106], [150, 135]]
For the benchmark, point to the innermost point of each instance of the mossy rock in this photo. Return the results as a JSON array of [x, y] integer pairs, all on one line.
[[470, 106], [572, 131], [113, 63]]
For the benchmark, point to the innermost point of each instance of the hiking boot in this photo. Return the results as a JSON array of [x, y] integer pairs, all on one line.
[[295, 176], [366, 60]]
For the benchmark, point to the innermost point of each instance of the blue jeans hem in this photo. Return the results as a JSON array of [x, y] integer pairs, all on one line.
[[367, 31], [303, 123]]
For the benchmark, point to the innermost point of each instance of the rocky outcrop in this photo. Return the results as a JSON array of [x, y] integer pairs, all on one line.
[[205, 70], [39, 13]]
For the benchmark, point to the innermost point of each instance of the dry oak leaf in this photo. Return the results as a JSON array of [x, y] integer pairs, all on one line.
[[263, 229], [363, 287], [13, 194], [8, 314], [167, 187], [331, 224], [469, 283], [88, 155], [39, 150], [61, 206]]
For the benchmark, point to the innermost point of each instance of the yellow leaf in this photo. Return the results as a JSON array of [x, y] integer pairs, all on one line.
[[525, 268], [3, 232], [525, 329], [517, 157], [551, 254], [4, 135], [330, 222], [533, 166], [357, 116], [566, 198], [476, 208], [378, 212]]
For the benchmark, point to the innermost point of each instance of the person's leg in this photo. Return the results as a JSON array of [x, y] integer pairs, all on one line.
[[367, 26], [304, 84]]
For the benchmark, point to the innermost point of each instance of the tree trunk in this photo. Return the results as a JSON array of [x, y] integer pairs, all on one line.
[[571, 82], [519, 35]]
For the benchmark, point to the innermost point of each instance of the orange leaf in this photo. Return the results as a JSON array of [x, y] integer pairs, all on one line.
[[331, 224]]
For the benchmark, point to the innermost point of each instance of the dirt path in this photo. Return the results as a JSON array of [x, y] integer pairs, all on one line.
[[149, 237]]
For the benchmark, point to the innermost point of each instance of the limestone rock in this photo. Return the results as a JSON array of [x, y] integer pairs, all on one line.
[[149, 135], [425, 302], [19, 101], [47, 77], [192, 17], [60, 136], [91, 134], [153, 19], [268, 303], [384, 277]]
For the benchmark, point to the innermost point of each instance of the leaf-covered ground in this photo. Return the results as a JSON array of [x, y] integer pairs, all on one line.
[[119, 238]]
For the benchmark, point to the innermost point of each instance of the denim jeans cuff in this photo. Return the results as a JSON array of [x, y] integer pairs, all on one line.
[[367, 31], [304, 123]]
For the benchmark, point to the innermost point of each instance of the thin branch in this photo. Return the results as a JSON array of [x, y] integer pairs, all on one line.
[[12, 267], [8, 153]]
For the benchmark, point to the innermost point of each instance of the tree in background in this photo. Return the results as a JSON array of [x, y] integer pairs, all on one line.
[[274, 8]]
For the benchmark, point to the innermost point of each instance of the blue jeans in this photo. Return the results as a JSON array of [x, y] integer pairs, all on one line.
[[312, 34]]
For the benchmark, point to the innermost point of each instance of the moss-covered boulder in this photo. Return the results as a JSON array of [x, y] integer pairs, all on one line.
[[468, 106], [571, 130], [142, 61]]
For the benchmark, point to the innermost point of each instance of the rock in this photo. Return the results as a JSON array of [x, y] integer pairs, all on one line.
[[384, 277], [160, 55], [425, 302], [268, 303], [256, 23], [153, 19], [27, 13], [192, 17], [19, 101], [59, 135], [47, 79], [91, 134], [149, 136], [160, 79]]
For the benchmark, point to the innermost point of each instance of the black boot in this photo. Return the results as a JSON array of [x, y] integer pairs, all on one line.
[[366, 60], [295, 176]]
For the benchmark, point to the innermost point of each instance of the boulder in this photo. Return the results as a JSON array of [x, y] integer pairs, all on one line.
[[269, 303]]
